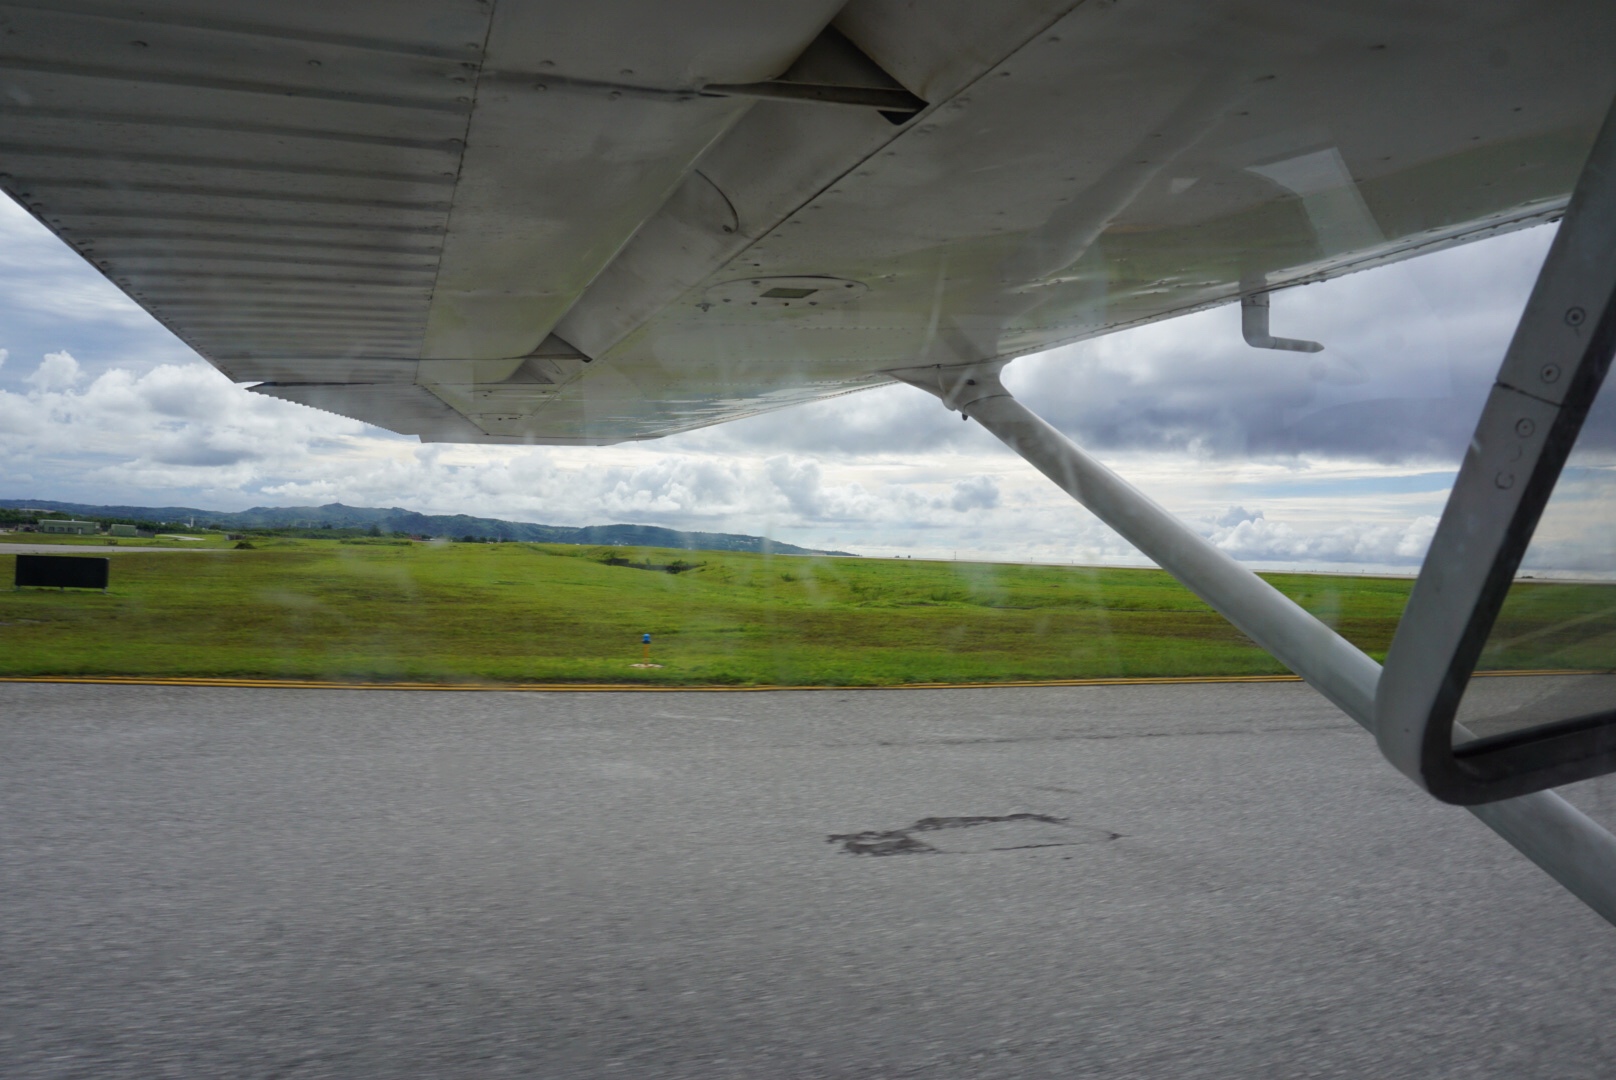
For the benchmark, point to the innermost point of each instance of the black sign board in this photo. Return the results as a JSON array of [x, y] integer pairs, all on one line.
[[62, 571]]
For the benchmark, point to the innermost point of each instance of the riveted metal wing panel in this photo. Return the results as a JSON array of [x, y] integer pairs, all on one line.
[[428, 195]]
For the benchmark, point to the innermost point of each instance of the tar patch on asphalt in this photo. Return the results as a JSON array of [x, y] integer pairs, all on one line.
[[970, 835]]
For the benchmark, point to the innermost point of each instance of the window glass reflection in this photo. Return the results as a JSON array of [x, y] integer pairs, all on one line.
[[1559, 619]]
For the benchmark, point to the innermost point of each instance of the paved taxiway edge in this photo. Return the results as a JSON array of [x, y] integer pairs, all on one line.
[[619, 688]]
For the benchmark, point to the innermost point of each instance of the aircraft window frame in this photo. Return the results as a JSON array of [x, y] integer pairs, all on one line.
[[1551, 375]]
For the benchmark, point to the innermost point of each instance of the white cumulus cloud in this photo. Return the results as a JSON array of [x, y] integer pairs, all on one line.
[[1260, 539], [57, 371]]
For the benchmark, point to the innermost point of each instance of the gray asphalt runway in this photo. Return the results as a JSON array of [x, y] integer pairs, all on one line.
[[1173, 881]]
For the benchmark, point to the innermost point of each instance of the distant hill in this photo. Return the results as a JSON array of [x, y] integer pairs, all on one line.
[[395, 519]]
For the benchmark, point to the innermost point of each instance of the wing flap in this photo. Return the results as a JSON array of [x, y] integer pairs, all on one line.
[[397, 406]]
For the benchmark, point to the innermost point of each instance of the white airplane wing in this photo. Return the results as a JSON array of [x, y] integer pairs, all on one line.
[[584, 223]]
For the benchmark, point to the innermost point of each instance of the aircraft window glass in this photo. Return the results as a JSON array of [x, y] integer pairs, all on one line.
[[1560, 613]]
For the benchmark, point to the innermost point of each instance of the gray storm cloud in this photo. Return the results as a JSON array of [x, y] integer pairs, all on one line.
[[976, 493], [1410, 352]]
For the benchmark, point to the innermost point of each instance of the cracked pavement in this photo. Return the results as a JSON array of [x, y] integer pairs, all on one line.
[[1186, 881]]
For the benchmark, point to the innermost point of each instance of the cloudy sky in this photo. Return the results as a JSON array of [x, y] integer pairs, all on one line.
[[1338, 460]]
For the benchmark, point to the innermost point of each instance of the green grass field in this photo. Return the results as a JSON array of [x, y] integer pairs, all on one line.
[[507, 613]]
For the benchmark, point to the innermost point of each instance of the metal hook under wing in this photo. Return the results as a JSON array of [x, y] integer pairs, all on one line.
[[1254, 327]]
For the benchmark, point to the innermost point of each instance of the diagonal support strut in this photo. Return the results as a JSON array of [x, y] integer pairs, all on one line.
[[1572, 848]]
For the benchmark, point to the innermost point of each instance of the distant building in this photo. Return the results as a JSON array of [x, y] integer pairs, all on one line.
[[80, 528], [122, 530]]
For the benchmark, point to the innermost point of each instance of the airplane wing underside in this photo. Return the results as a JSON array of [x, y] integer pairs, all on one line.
[[585, 223]]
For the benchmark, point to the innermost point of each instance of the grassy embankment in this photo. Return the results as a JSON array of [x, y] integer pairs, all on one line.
[[394, 610]]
